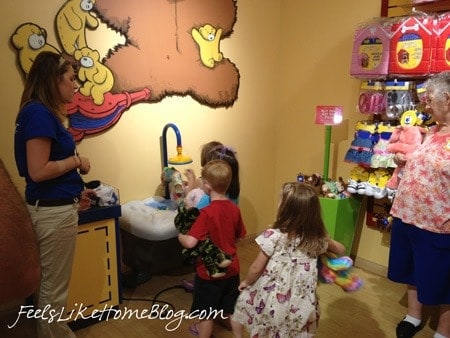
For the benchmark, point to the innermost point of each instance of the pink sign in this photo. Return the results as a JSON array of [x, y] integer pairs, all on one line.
[[329, 115]]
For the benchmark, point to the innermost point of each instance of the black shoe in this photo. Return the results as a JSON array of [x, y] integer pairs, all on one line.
[[406, 329]]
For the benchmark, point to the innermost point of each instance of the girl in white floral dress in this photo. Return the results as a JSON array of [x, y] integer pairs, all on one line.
[[278, 297]]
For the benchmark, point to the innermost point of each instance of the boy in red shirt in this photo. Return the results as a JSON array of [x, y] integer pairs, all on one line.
[[221, 221]]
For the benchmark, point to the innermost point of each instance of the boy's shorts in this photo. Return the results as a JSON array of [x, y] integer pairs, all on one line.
[[215, 295], [421, 258]]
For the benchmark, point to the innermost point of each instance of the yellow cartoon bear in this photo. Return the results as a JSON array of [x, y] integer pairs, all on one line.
[[208, 39], [30, 39], [71, 22], [97, 79]]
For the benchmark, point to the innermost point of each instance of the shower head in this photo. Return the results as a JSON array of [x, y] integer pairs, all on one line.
[[179, 158]]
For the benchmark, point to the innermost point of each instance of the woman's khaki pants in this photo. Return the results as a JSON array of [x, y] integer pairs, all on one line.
[[56, 231]]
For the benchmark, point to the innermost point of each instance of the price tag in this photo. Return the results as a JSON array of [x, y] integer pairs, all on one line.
[[329, 115]]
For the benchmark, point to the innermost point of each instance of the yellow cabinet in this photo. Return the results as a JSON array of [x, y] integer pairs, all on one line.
[[95, 284]]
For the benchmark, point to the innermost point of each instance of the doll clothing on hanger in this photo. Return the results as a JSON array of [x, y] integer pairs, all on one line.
[[381, 157], [361, 148]]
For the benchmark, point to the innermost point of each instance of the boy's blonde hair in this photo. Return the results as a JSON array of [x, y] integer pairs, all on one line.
[[218, 175]]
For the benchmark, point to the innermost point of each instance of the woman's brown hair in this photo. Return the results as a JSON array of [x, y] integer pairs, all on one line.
[[42, 82]]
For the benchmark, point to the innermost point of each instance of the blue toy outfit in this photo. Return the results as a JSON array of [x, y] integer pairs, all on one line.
[[361, 148]]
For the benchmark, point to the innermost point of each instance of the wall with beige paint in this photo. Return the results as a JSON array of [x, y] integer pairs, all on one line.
[[292, 55], [314, 61]]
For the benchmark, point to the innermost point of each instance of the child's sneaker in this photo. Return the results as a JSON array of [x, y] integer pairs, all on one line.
[[379, 193], [352, 186], [361, 189]]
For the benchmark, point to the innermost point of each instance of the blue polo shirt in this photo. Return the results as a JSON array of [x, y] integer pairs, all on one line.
[[36, 120]]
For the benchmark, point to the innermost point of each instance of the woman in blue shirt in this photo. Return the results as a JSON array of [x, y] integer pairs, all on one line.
[[46, 157]]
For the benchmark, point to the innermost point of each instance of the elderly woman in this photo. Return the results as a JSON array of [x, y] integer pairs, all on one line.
[[420, 243]]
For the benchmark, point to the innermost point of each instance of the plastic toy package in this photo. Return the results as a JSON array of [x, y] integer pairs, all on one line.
[[371, 98], [412, 45], [441, 52], [400, 97], [370, 56]]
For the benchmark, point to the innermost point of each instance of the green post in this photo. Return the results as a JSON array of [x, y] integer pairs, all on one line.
[[326, 160]]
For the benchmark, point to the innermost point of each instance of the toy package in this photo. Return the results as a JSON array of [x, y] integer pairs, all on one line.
[[421, 93], [370, 56], [371, 98], [412, 44], [441, 53], [400, 97]]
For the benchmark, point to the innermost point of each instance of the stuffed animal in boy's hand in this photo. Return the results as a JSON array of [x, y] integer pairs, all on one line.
[[333, 269], [215, 260]]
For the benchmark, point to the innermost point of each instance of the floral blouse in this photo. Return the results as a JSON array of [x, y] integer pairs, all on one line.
[[423, 195]]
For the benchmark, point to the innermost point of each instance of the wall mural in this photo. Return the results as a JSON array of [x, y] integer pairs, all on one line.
[[172, 48]]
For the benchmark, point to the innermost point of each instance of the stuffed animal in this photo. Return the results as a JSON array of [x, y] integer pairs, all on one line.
[[215, 260], [193, 197], [171, 186], [333, 269], [315, 180], [404, 139]]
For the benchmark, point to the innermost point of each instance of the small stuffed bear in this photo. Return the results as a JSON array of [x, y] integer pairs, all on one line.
[[336, 270], [216, 261]]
